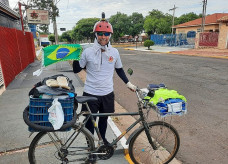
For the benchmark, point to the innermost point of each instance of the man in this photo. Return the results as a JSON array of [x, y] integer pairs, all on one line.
[[100, 60]]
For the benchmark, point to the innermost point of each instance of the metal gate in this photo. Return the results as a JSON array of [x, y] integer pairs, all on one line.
[[208, 39], [183, 39]]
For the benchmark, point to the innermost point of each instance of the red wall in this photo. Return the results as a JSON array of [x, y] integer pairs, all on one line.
[[208, 39], [17, 51]]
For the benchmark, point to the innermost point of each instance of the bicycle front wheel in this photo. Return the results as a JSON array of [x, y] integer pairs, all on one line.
[[61, 147], [164, 136]]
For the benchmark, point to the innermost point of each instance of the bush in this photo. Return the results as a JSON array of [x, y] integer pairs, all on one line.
[[148, 43]]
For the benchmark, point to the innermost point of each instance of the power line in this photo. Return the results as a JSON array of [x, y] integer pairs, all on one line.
[[174, 8]]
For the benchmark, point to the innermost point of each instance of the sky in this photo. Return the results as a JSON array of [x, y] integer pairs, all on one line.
[[71, 11]]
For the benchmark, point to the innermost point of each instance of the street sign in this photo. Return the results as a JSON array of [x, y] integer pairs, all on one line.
[[37, 16], [62, 29]]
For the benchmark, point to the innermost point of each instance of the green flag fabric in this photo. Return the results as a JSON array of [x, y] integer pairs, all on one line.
[[56, 53], [163, 94]]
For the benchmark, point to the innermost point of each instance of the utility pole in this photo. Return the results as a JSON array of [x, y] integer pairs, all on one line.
[[203, 15], [174, 8], [22, 24], [54, 23]]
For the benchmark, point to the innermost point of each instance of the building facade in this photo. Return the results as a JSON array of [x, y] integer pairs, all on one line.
[[8, 17]]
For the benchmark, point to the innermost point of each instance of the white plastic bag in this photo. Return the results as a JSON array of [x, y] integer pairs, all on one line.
[[56, 115]]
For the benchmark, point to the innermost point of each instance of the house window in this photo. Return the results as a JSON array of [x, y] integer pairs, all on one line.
[[198, 29], [216, 30], [191, 34]]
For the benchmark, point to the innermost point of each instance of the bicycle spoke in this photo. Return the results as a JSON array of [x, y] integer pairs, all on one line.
[[165, 139], [46, 149]]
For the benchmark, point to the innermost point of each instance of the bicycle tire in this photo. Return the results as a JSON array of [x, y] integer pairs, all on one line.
[[165, 137], [43, 150]]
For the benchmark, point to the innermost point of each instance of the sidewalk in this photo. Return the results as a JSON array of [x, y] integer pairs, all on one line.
[[207, 52], [14, 134]]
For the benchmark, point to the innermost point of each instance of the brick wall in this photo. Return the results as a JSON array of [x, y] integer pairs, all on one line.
[[223, 36], [194, 28]]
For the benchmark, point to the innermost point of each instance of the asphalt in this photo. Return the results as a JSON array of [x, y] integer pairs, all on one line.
[[14, 134]]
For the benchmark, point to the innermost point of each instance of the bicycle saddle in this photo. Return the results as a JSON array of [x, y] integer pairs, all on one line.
[[83, 99]]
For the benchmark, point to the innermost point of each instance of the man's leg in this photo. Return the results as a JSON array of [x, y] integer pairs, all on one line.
[[102, 125], [107, 107], [94, 106]]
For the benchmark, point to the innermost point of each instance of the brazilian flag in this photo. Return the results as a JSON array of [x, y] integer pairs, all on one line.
[[56, 53]]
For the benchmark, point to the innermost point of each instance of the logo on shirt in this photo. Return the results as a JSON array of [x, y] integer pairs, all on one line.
[[110, 59]]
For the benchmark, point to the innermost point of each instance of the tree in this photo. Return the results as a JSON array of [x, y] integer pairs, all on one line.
[[120, 24], [186, 18], [66, 37], [51, 38], [148, 43], [163, 26], [137, 22], [84, 29], [150, 25], [157, 22]]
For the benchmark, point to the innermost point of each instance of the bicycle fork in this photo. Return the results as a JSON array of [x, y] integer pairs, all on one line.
[[146, 127]]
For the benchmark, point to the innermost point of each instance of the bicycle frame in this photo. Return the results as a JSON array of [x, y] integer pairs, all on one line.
[[139, 113]]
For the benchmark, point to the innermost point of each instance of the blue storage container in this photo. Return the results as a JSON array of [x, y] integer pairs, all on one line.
[[38, 111], [172, 107]]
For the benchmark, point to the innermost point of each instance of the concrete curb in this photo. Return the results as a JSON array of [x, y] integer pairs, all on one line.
[[146, 50], [170, 52], [218, 57]]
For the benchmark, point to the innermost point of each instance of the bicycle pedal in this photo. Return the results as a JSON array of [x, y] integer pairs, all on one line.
[[114, 146]]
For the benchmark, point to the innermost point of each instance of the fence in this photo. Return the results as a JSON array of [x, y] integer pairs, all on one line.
[[17, 51], [183, 39], [208, 39]]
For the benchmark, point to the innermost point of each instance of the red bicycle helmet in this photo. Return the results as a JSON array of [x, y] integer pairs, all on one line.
[[103, 25]]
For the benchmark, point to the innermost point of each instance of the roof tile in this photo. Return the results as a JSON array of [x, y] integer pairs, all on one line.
[[210, 19]]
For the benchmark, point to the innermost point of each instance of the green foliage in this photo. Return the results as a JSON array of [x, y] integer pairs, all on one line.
[[66, 37], [120, 24], [126, 25], [157, 22], [43, 28], [137, 22], [51, 37], [148, 43], [84, 29], [186, 18]]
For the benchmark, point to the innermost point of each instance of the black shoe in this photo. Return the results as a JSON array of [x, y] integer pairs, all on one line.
[[106, 142], [92, 158]]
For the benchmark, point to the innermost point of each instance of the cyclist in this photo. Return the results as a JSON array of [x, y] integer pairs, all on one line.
[[99, 61]]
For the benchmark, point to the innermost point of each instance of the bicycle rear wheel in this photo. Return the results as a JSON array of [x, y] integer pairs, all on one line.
[[165, 138], [43, 149]]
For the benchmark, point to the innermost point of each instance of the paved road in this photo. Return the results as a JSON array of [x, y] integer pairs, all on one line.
[[204, 82]]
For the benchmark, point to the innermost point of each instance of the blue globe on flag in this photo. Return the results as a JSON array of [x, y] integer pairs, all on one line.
[[62, 52]]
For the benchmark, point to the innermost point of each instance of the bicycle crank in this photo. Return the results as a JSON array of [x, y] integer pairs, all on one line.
[[107, 152]]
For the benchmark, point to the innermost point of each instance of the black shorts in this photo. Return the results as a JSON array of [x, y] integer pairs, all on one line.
[[105, 104]]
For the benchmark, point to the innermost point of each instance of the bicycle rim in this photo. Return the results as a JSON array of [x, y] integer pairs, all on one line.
[[43, 150], [165, 138]]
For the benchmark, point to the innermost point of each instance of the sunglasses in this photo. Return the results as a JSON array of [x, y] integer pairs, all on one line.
[[103, 33]]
